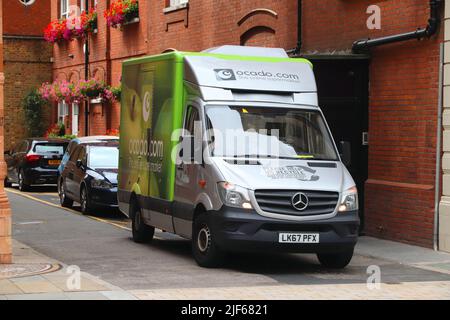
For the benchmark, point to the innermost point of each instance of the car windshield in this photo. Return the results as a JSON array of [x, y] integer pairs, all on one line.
[[268, 132], [49, 148], [103, 157]]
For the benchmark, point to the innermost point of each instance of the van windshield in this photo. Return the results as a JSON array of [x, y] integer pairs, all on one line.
[[289, 133]]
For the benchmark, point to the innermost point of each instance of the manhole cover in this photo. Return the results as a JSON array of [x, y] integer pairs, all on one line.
[[26, 270]]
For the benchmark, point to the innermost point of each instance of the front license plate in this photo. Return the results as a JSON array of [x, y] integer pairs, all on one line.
[[298, 238], [54, 162]]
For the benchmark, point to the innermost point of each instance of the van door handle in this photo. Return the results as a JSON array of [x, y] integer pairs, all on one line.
[[180, 167]]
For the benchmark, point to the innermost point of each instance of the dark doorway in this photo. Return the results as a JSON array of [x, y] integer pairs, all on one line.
[[343, 87]]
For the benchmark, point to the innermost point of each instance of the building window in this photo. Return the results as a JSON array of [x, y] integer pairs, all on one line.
[[65, 8], [63, 111], [177, 3]]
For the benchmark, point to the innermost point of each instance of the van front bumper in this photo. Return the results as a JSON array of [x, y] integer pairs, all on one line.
[[245, 230]]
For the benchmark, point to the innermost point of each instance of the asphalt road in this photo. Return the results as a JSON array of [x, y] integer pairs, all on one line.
[[101, 245]]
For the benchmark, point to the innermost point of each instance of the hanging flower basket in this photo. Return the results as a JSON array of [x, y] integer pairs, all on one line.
[[121, 12], [81, 91], [69, 29]]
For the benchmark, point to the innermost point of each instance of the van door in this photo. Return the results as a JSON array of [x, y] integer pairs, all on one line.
[[187, 172]]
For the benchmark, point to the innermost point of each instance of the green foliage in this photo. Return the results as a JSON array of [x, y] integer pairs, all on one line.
[[117, 92], [32, 104]]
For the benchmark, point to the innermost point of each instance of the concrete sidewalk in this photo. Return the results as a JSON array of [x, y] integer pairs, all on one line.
[[404, 254], [33, 276]]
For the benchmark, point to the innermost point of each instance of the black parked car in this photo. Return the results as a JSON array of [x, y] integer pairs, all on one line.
[[90, 176], [34, 161]]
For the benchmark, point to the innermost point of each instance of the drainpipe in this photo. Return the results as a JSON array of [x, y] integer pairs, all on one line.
[[297, 49], [432, 27], [86, 76], [437, 187]]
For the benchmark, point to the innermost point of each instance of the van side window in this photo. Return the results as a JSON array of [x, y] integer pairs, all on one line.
[[192, 116]]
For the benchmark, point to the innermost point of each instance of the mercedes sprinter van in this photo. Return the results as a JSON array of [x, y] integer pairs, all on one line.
[[230, 149]]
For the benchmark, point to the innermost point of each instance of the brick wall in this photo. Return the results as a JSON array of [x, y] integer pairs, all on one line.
[[27, 66], [27, 61], [402, 110], [25, 20], [202, 25]]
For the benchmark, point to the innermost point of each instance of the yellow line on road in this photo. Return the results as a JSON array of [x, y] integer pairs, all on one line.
[[66, 209]]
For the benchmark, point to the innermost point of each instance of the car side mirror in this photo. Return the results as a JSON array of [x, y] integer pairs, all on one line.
[[345, 151], [79, 164]]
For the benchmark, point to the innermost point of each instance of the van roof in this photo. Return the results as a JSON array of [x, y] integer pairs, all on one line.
[[240, 72], [179, 56]]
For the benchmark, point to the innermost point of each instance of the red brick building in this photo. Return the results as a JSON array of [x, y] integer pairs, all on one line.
[[397, 106], [165, 25], [27, 60], [383, 100]]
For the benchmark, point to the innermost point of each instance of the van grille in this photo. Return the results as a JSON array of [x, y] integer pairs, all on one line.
[[280, 202]]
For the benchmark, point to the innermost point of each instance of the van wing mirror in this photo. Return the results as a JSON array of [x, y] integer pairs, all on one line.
[[345, 151]]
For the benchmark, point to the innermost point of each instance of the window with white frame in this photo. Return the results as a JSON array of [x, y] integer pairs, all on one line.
[[65, 8], [63, 111], [176, 3]]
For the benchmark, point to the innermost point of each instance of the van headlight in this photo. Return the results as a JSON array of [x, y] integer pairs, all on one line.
[[349, 200], [234, 196]]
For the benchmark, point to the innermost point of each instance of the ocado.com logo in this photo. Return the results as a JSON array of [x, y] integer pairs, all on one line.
[[146, 106], [225, 74]]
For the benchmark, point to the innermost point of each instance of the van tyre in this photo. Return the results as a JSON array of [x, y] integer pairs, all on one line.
[[142, 233], [64, 201], [204, 248], [336, 260]]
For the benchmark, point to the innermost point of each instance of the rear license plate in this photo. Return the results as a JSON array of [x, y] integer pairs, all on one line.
[[54, 162], [298, 238]]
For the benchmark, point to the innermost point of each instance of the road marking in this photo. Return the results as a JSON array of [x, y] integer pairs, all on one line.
[[26, 195], [29, 222]]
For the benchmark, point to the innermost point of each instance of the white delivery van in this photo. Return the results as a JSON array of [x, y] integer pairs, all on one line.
[[229, 148]]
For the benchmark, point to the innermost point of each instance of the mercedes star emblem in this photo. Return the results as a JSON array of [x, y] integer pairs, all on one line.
[[300, 201]]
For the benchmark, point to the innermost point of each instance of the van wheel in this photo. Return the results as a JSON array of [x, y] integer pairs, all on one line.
[[22, 185], [142, 233], [204, 248], [335, 260], [65, 202]]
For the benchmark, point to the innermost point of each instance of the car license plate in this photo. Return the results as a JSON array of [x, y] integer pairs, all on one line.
[[298, 238], [54, 162]]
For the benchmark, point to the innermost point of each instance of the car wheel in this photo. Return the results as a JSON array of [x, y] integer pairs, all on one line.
[[8, 184], [204, 248], [65, 202], [142, 233], [85, 201], [336, 260], [21, 180]]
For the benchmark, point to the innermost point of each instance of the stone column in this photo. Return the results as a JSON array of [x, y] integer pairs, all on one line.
[[5, 211]]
